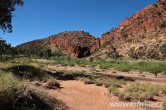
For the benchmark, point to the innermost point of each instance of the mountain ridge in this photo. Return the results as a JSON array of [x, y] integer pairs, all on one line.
[[141, 36]]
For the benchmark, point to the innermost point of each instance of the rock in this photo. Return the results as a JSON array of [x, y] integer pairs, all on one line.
[[77, 44], [144, 31]]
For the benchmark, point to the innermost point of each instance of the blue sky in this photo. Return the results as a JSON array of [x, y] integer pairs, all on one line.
[[41, 18]]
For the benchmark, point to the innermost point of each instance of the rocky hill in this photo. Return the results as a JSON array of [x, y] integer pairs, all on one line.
[[141, 36], [76, 44]]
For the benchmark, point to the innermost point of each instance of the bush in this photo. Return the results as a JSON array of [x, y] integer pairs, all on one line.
[[91, 59], [137, 53], [114, 54], [163, 50], [163, 24], [29, 72], [10, 89], [45, 53], [58, 53]]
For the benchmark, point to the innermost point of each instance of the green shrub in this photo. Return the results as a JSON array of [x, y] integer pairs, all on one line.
[[91, 59], [163, 24], [58, 53], [45, 53], [30, 72]]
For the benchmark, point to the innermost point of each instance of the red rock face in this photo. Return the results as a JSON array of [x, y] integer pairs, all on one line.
[[76, 44], [142, 35], [147, 20]]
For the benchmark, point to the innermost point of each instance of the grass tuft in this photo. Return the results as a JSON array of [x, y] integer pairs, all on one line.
[[141, 91], [16, 95]]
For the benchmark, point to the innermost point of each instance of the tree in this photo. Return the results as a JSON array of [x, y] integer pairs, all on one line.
[[6, 9], [6, 50], [58, 53], [13, 52], [45, 53]]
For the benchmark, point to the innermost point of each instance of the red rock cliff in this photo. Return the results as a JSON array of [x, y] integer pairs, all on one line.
[[76, 44], [144, 28]]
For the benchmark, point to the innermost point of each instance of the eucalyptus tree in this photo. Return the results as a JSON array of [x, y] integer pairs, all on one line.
[[7, 7]]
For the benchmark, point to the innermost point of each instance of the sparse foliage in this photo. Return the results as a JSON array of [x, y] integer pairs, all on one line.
[[114, 54], [58, 53], [163, 50], [6, 50], [6, 9], [91, 59], [163, 24], [45, 53]]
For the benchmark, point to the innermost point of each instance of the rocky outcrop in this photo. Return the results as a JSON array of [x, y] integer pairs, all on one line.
[[76, 44], [141, 35]]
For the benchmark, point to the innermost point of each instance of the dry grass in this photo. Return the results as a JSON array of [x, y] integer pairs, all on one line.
[[164, 105], [140, 91], [15, 94], [125, 89]]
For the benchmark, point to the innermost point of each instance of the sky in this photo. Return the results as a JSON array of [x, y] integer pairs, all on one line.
[[41, 18]]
